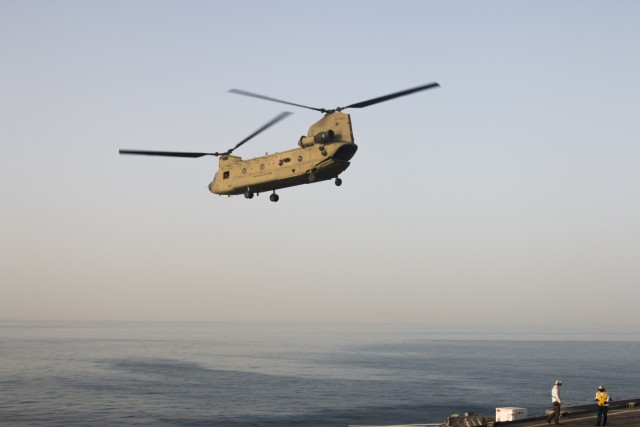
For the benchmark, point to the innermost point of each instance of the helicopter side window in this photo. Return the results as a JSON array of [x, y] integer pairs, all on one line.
[[225, 175], [244, 171]]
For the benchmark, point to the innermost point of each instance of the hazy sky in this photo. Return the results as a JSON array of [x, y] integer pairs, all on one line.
[[509, 195]]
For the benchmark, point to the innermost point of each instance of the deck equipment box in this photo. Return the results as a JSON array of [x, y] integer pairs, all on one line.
[[510, 414]]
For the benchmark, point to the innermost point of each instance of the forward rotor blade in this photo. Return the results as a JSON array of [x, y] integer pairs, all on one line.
[[266, 126], [167, 153], [255, 95], [390, 96]]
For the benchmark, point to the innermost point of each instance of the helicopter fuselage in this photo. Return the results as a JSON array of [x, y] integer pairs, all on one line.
[[323, 154]]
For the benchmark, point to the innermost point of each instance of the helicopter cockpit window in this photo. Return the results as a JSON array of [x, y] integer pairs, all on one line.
[[225, 175]]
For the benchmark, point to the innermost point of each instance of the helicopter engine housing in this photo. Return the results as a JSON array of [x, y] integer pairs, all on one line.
[[324, 137]]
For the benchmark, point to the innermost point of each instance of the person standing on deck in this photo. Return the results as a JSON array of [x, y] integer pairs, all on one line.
[[555, 399], [602, 400]]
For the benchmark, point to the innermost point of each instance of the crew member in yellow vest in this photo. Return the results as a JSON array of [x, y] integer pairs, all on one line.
[[602, 400]]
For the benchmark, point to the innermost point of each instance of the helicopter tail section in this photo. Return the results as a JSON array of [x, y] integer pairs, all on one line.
[[345, 152]]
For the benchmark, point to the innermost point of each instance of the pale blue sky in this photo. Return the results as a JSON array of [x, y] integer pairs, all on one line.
[[510, 194]]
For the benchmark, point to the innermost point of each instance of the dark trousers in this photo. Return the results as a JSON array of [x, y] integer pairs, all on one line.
[[556, 413], [602, 414]]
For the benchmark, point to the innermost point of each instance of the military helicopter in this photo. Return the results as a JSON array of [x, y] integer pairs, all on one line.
[[323, 154]]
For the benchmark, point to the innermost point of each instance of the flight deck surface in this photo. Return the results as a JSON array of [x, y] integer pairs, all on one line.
[[624, 413], [617, 418], [624, 417]]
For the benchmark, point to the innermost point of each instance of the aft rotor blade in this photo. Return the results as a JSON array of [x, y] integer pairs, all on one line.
[[167, 153], [255, 95], [266, 126], [390, 96]]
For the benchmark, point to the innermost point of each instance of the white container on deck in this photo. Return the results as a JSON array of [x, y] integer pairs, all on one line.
[[510, 413]]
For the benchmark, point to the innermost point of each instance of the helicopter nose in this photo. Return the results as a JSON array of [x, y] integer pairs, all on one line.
[[211, 184]]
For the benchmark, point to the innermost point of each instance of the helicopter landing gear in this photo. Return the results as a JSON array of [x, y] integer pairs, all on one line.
[[274, 197], [311, 176], [338, 182], [248, 194]]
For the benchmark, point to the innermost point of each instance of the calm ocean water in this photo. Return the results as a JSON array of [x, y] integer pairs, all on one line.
[[244, 374]]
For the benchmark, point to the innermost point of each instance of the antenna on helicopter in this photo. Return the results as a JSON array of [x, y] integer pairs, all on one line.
[[216, 154], [356, 105]]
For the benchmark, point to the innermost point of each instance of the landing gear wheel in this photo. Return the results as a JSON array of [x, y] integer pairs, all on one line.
[[311, 177], [274, 197], [338, 182], [248, 194]]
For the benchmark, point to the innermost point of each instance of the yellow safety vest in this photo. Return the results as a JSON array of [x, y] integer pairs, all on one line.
[[602, 398]]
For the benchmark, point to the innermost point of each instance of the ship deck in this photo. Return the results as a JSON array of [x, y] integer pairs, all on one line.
[[624, 413], [617, 417]]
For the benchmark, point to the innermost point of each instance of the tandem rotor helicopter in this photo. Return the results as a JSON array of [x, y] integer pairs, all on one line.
[[324, 153]]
